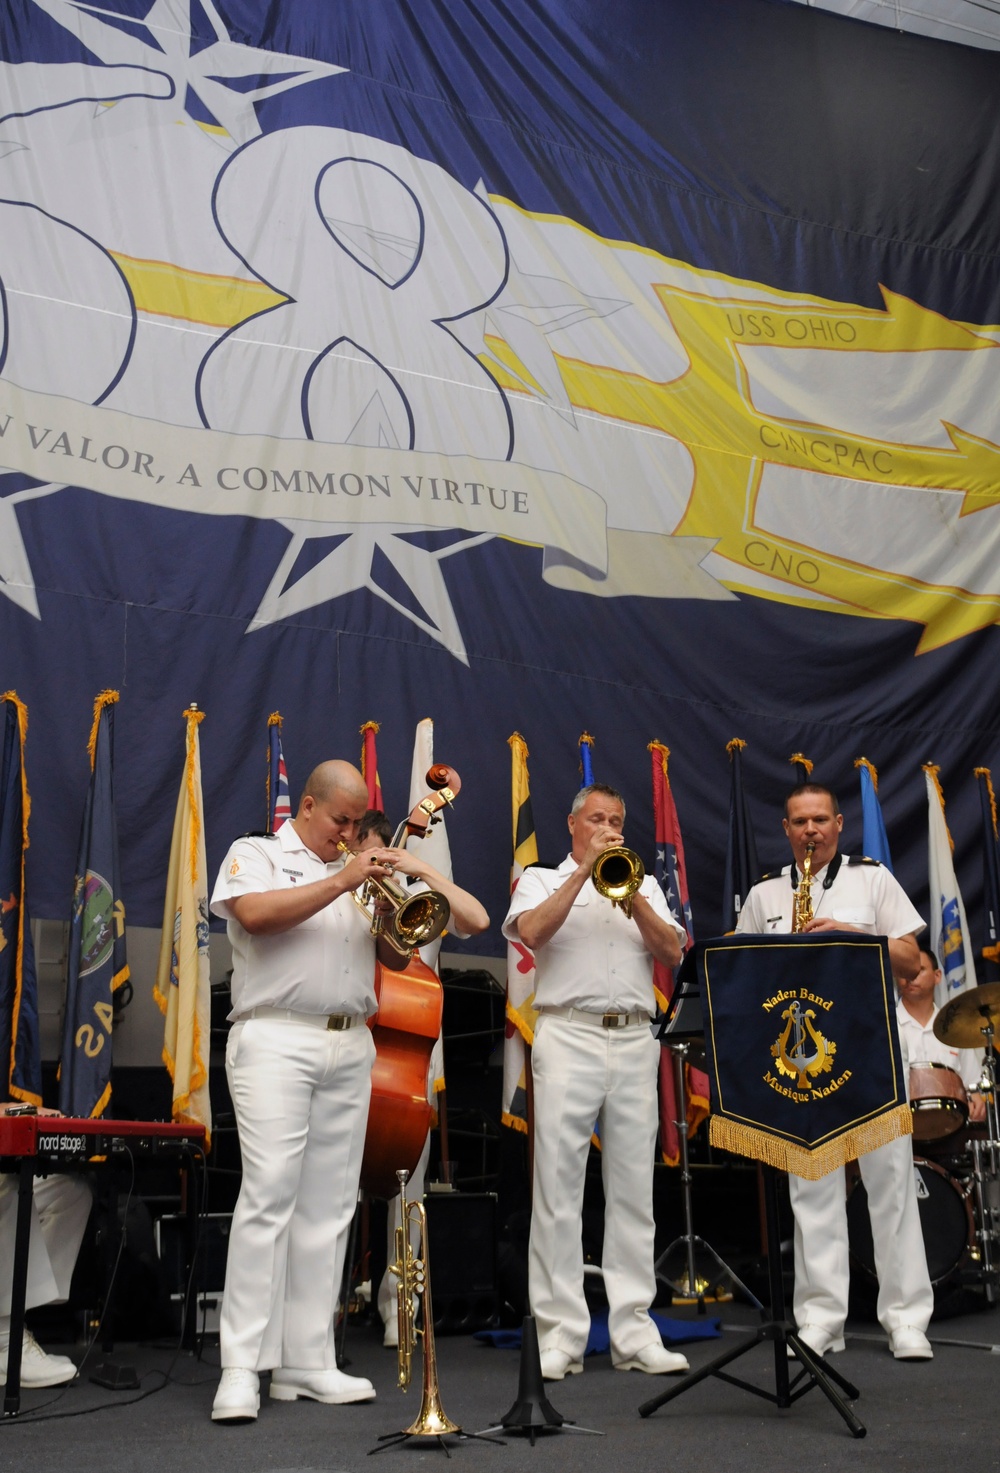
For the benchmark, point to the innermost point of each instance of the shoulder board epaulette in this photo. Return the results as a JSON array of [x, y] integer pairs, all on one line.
[[862, 859], [542, 864], [774, 874], [258, 834]]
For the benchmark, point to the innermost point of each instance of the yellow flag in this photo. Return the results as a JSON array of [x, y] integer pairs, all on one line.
[[182, 988]]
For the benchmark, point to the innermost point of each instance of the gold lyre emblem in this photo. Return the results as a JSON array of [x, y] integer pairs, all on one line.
[[791, 1050]]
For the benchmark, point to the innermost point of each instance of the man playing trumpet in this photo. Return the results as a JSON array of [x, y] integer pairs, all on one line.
[[594, 1059]]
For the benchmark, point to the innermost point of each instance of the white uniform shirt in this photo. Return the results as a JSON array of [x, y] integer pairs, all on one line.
[[919, 1043], [865, 897], [597, 960], [325, 964]]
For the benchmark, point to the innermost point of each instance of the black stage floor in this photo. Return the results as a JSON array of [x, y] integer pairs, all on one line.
[[936, 1415]]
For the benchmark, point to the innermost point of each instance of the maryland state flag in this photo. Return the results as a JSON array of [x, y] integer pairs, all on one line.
[[521, 1014], [182, 975], [20, 1052], [671, 876], [803, 1053], [97, 965], [369, 765]]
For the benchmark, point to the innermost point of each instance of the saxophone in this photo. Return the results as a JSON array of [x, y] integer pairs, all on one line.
[[802, 905]]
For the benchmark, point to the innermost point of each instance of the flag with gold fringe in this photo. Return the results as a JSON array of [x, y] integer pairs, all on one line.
[[671, 876], [279, 800], [586, 763], [803, 767], [803, 1053], [991, 875], [436, 850], [521, 1014], [20, 1047], [947, 928], [97, 961], [369, 765], [874, 839], [182, 974]]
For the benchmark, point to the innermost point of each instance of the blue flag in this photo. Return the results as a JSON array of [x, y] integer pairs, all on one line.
[[742, 866], [586, 765], [874, 840], [97, 965], [19, 1043], [991, 876]]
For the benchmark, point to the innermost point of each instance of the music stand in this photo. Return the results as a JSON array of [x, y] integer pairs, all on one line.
[[684, 1023], [682, 1031]]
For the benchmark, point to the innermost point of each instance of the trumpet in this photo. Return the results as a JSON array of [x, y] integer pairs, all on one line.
[[617, 875], [802, 905], [414, 920], [413, 1282]]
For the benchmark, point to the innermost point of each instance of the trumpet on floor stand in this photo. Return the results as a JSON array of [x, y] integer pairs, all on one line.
[[413, 1289]]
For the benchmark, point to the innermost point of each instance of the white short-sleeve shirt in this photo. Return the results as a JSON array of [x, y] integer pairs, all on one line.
[[919, 1044], [597, 960], [325, 964], [865, 897]]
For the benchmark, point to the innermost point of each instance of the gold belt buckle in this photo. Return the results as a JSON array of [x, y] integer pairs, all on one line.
[[338, 1022], [612, 1020]]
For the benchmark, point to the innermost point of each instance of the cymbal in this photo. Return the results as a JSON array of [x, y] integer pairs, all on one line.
[[961, 1021]]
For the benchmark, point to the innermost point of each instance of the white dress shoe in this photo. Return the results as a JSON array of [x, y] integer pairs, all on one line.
[[556, 1364], [238, 1396], [906, 1343], [655, 1360], [38, 1368], [818, 1340], [331, 1386]]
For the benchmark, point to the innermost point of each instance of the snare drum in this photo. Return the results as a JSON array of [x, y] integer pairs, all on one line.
[[945, 1220], [938, 1100]]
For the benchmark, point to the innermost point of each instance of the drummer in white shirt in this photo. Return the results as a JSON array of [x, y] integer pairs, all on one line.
[[915, 1014]]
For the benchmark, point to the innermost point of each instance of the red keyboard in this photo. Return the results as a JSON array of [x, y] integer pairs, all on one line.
[[63, 1138]]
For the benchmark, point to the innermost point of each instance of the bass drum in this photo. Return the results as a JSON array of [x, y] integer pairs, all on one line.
[[945, 1218]]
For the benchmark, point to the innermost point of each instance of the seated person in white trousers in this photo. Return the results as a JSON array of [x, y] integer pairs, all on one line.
[[59, 1212], [468, 918], [298, 1060], [850, 895], [594, 1058]]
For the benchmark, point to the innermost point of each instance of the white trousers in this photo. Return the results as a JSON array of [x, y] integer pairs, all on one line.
[[60, 1207], [301, 1099], [822, 1272], [583, 1074]]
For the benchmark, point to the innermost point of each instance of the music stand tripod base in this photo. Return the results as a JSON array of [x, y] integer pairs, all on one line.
[[778, 1331]]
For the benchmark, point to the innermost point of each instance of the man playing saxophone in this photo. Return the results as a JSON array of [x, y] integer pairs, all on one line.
[[849, 895], [593, 1058]]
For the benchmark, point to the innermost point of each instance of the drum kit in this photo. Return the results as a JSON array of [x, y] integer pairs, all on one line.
[[956, 1162]]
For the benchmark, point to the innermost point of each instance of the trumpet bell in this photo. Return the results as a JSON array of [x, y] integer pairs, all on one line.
[[617, 875], [418, 920]]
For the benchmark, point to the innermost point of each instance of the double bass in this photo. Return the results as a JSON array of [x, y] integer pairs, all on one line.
[[405, 1029]]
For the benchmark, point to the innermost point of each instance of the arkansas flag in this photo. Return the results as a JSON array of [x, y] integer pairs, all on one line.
[[671, 876]]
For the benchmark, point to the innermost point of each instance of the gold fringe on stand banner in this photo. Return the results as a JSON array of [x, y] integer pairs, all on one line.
[[761, 1145]]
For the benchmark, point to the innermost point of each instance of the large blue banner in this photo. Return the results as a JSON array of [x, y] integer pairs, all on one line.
[[502, 364]]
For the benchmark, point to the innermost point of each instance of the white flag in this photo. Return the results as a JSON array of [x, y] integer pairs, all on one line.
[[435, 849], [948, 929]]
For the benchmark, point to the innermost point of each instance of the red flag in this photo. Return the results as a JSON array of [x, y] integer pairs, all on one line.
[[369, 765], [671, 875]]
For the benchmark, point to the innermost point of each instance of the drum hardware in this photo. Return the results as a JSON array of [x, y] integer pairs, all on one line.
[[938, 1101]]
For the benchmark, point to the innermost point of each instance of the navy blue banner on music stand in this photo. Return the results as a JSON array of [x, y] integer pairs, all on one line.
[[803, 1053]]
